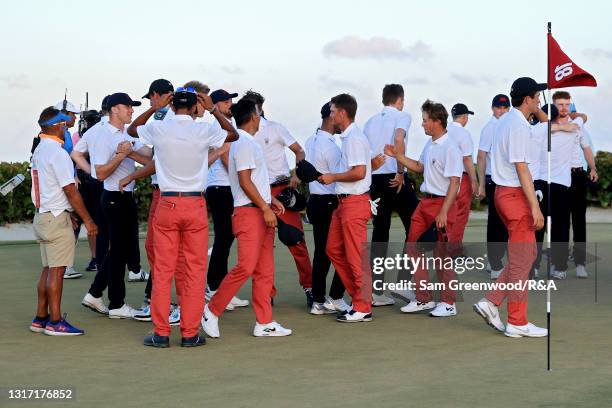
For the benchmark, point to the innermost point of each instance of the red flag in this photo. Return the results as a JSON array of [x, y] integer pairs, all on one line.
[[562, 71]]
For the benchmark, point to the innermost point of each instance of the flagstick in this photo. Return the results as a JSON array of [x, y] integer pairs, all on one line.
[[548, 217]]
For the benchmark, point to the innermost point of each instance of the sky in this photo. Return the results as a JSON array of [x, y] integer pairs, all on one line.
[[297, 54]]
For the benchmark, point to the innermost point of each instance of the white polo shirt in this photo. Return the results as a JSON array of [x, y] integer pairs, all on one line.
[[160, 115], [325, 155], [441, 159], [462, 137], [512, 144], [88, 140], [246, 154], [217, 173], [486, 141], [355, 152], [181, 151], [103, 150], [380, 130], [561, 153], [273, 139], [51, 171], [582, 141]]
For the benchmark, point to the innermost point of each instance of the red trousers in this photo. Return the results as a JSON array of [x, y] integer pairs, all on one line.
[[299, 251], [150, 241], [464, 204], [255, 258], [422, 219], [513, 209], [347, 249], [180, 222]]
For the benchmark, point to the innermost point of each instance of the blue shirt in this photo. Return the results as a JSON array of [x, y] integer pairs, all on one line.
[[68, 141]]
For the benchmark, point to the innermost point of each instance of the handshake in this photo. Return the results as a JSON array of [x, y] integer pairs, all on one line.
[[124, 148]]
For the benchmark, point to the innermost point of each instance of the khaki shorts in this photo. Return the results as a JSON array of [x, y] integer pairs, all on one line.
[[56, 238]]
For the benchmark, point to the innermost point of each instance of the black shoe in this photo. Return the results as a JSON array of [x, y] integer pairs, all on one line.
[[195, 341], [309, 298], [154, 340], [92, 267]]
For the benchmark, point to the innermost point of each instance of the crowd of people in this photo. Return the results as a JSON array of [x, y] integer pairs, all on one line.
[[236, 168]]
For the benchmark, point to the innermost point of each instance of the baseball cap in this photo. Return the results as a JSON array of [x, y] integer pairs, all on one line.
[[104, 106], [526, 86], [288, 234], [69, 107], [554, 112], [460, 109], [573, 107], [187, 96], [306, 171], [161, 86], [121, 98], [292, 199], [221, 95], [500, 100], [326, 110]]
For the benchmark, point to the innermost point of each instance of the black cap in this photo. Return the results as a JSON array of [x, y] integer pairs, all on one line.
[[288, 234], [161, 86], [184, 97], [460, 109], [525, 86], [500, 101], [554, 112], [221, 95], [326, 110], [121, 98], [306, 171], [104, 106], [292, 199]]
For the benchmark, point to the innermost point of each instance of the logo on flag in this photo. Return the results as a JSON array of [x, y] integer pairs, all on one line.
[[562, 71]]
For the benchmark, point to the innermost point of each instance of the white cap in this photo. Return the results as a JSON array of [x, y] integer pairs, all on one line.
[[69, 106]]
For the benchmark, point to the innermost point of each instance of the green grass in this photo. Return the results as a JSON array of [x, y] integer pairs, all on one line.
[[395, 361]]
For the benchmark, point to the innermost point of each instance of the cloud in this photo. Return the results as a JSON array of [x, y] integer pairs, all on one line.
[[598, 53], [416, 81], [16, 81], [232, 70], [471, 80], [354, 47]]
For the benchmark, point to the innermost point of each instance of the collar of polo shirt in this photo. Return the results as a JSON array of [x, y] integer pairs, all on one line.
[[391, 108], [348, 130], [325, 133], [182, 117], [442, 139]]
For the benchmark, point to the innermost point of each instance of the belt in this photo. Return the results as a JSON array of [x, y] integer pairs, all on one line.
[[279, 183], [349, 195], [324, 196], [578, 170], [182, 194], [427, 195], [249, 205]]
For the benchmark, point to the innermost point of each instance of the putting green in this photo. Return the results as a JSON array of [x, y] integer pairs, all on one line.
[[396, 361]]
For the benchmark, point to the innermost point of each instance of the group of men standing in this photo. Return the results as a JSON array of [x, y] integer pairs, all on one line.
[[237, 168]]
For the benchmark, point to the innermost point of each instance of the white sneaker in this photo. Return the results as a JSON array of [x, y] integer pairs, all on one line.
[[536, 273], [95, 304], [210, 323], [416, 306], [144, 315], [559, 275], [495, 274], [175, 315], [70, 273], [237, 302], [141, 276], [489, 312], [528, 330], [124, 312], [581, 272], [339, 304], [208, 295], [271, 329], [405, 295], [444, 309], [321, 309], [382, 300], [354, 316]]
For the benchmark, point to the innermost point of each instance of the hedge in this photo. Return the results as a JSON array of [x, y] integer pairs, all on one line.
[[17, 205]]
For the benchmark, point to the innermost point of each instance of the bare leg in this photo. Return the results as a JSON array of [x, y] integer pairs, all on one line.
[[43, 302], [55, 284], [92, 245]]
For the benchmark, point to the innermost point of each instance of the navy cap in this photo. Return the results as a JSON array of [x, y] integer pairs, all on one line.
[[525, 86], [500, 101], [161, 86], [104, 106], [306, 171], [326, 110], [460, 109], [185, 97], [121, 98], [288, 234], [292, 199], [221, 95], [554, 112]]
